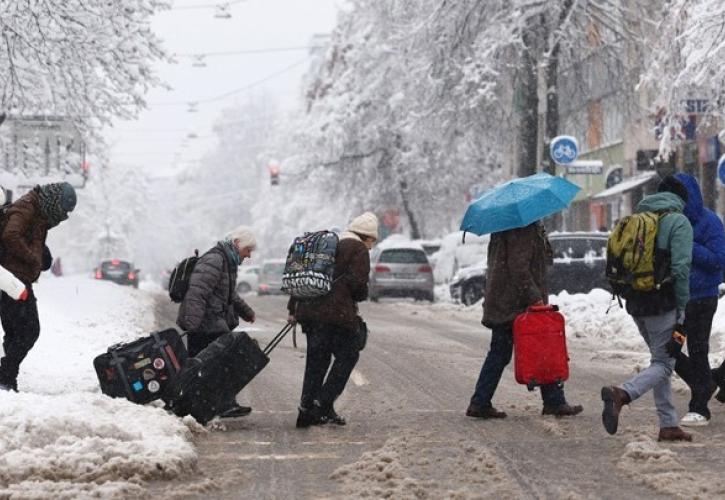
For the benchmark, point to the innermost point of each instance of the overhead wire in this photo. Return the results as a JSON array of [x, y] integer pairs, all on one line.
[[215, 5]]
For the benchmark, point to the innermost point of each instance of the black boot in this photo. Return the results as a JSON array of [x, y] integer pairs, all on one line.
[[307, 417], [333, 418]]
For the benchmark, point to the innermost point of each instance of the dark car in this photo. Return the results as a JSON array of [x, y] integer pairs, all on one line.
[[579, 264], [118, 271]]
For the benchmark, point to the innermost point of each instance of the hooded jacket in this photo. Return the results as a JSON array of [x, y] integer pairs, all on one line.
[[708, 248], [674, 238], [23, 238]]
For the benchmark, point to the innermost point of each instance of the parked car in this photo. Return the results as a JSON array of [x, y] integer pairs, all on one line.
[[270, 277], [119, 271], [247, 279], [579, 265], [400, 269], [455, 254]]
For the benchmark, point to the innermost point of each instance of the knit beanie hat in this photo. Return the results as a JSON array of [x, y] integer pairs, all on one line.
[[365, 225], [56, 201], [672, 185]]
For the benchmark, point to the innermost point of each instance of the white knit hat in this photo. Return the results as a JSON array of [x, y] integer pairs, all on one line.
[[365, 225], [244, 235]]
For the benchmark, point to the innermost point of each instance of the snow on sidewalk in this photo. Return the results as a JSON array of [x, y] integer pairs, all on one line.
[[60, 437]]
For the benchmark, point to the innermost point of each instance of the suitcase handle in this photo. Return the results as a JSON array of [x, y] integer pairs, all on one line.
[[278, 338], [542, 308]]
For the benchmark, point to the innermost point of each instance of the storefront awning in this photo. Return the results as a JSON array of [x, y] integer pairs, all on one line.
[[626, 185]]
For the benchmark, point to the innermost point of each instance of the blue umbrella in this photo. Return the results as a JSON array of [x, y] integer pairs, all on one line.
[[518, 203]]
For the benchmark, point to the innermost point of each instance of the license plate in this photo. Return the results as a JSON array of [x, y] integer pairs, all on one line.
[[405, 276]]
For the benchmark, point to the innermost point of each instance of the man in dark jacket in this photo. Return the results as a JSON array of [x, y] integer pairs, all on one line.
[[25, 255], [212, 306], [331, 324], [658, 314], [517, 262], [708, 265]]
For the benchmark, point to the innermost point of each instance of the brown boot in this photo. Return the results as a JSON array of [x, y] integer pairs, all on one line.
[[484, 412], [673, 434], [614, 399]]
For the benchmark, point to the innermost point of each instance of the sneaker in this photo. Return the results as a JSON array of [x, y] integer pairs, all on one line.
[[673, 434], [693, 419], [485, 412], [565, 410], [235, 411], [614, 399]]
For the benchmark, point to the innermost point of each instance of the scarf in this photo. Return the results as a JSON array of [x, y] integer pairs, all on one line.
[[231, 251]]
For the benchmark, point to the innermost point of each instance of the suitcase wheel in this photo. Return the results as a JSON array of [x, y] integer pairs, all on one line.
[[531, 385]]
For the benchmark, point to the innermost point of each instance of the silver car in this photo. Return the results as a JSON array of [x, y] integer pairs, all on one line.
[[401, 271], [270, 277]]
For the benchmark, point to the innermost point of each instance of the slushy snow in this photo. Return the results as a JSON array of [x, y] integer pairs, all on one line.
[[60, 437]]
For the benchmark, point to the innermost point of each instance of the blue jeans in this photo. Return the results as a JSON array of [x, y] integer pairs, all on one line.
[[499, 355]]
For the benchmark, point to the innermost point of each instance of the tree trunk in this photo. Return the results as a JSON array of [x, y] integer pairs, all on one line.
[[414, 228], [528, 111]]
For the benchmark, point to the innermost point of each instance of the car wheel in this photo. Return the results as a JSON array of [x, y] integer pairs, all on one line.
[[470, 294], [243, 288]]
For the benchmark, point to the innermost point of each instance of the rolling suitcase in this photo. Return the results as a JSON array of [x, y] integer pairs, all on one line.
[[540, 355], [219, 372], [142, 370]]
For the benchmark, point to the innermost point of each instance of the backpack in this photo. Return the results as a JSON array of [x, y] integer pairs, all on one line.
[[634, 263], [310, 265], [180, 276]]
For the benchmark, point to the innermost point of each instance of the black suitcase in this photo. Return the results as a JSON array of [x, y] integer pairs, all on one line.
[[142, 370], [221, 370]]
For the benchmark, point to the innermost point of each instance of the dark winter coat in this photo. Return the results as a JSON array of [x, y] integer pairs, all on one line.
[[708, 247], [674, 238], [350, 286], [516, 274], [23, 238], [211, 303]]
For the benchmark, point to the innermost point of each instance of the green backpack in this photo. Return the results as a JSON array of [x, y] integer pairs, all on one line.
[[633, 261]]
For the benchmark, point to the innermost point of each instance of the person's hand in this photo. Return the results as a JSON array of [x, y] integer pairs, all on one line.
[[252, 318], [291, 320], [674, 345]]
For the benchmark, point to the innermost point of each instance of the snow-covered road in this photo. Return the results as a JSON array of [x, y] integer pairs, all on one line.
[[407, 435]]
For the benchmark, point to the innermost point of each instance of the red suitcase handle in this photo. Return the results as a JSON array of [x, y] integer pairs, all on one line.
[[542, 308]]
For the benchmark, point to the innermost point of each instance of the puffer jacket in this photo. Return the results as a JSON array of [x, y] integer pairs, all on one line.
[[516, 275], [708, 247], [674, 238], [350, 286], [211, 303], [23, 238]]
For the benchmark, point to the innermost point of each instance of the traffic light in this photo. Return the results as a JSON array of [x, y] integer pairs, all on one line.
[[274, 175]]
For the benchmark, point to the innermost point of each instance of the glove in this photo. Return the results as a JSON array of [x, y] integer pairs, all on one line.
[[674, 345], [47, 259]]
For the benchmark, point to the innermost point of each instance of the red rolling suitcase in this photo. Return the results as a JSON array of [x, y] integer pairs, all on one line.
[[540, 355]]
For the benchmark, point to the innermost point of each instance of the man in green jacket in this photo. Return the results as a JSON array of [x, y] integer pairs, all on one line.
[[659, 314]]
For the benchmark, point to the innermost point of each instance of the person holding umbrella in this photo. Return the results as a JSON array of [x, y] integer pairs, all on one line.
[[518, 255]]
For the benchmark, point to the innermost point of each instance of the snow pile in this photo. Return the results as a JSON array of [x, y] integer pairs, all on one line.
[[661, 470], [60, 437], [403, 466]]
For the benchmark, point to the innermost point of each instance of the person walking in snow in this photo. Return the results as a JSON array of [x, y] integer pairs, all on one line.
[[212, 306], [659, 315], [706, 273], [24, 253], [331, 324], [516, 279]]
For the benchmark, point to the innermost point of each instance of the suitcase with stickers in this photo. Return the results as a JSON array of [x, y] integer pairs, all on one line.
[[143, 370], [540, 355]]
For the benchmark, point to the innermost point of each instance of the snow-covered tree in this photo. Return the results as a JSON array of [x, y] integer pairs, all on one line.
[[87, 61]]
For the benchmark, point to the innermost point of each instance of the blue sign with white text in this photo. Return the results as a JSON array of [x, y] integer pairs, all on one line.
[[721, 169], [564, 149]]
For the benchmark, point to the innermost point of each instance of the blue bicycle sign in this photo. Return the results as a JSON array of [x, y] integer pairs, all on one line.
[[564, 149]]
